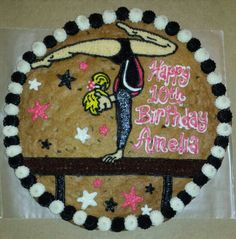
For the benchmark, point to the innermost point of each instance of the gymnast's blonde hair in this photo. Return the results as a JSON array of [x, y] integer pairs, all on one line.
[[90, 100]]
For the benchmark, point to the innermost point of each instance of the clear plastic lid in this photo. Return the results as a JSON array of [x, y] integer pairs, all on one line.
[[216, 199]]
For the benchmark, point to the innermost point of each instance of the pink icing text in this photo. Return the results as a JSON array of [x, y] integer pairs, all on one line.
[[171, 75], [167, 92], [165, 95], [162, 144], [189, 120]]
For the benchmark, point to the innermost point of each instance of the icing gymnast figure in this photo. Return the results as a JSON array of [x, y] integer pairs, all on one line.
[[129, 81]]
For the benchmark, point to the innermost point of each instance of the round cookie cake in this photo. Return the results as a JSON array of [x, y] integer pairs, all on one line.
[[116, 120]]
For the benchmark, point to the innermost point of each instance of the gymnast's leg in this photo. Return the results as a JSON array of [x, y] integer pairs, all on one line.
[[150, 44], [96, 47]]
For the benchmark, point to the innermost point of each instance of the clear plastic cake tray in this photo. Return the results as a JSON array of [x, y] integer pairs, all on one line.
[[216, 199]]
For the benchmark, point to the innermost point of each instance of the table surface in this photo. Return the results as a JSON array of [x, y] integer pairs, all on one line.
[[197, 14]]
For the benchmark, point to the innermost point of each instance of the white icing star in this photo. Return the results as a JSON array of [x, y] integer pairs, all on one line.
[[82, 134], [34, 84], [146, 210], [87, 199]]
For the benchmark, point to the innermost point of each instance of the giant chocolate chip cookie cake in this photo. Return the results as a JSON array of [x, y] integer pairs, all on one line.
[[116, 120]]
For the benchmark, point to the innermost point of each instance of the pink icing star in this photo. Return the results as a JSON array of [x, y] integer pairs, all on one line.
[[103, 130], [97, 183], [91, 85], [38, 111], [83, 66], [131, 199]]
